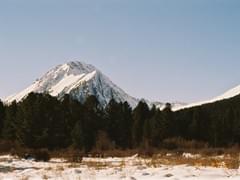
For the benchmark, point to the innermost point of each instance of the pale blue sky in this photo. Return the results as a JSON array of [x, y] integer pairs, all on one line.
[[186, 50]]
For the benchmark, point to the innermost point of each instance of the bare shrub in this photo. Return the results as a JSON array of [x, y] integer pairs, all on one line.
[[20, 152], [118, 153], [180, 143], [72, 155], [232, 161], [103, 142], [25, 153], [41, 155], [6, 146]]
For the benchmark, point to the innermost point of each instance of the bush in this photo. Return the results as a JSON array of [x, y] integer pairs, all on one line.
[[37, 155], [20, 152], [41, 155], [6, 146], [180, 143], [103, 142], [75, 157], [70, 154], [233, 162]]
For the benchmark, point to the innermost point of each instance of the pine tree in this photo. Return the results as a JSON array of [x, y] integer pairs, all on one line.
[[10, 122], [91, 121], [140, 114], [168, 120], [40, 122], [119, 123], [114, 117], [159, 128], [78, 136], [2, 116], [56, 125], [147, 133], [126, 127], [72, 113]]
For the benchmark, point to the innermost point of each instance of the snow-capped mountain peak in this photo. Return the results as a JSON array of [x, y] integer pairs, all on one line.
[[79, 80]]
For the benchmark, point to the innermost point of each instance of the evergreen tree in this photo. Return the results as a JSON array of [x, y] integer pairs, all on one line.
[[168, 121], [159, 128], [119, 123], [10, 122], [40, 122], [140, 114], [126, 127], [78, 136], [72, 113], [2, 116], [56, 125], [91, 121], [43, 121]]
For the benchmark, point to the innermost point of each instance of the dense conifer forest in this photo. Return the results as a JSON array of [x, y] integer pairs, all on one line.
[[43, 121]]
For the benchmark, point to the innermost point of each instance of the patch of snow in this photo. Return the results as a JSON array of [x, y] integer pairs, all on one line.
[[191, 156], [130, 168]]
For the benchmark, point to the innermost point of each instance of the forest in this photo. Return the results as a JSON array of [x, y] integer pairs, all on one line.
[[43, 121]]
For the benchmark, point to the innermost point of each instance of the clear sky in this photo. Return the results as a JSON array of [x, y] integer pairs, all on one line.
[[186, 50]]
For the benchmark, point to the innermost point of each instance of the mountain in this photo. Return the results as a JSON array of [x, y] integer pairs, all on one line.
[[79, 80], [227, 95]]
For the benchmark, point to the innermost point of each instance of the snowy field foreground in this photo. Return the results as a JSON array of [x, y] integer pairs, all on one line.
[[132, 168]]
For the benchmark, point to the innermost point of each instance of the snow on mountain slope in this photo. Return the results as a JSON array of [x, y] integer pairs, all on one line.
[[78, 80], [229, 94]]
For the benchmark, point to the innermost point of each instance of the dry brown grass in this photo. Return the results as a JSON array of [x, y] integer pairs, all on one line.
[[24, 178], [98, 165], [214, 157], [45, 176], [74, 165], [60, 168], [230, 161]]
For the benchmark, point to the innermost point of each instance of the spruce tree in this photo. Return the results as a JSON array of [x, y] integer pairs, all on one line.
[[10, 122], [91, 121], [140, 114], [119, 123], [2, 116], [78, 136]]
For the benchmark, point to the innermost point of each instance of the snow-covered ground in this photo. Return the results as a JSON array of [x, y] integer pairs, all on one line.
[[131, 168]]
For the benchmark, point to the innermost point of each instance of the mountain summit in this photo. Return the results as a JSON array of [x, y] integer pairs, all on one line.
[[79, 80]]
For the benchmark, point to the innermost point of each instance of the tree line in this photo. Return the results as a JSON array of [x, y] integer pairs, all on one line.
[[43, 121]]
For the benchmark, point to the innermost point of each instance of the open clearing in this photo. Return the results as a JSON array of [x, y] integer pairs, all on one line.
[[130, 168]]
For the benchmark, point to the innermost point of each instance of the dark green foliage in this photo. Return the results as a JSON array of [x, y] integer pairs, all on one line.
[[159, 128], [42, 121], [78, 135], [119, 123], [10, 122], [92, 120], [72, 114], [2, 115], [216, 123], [140, 114]]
